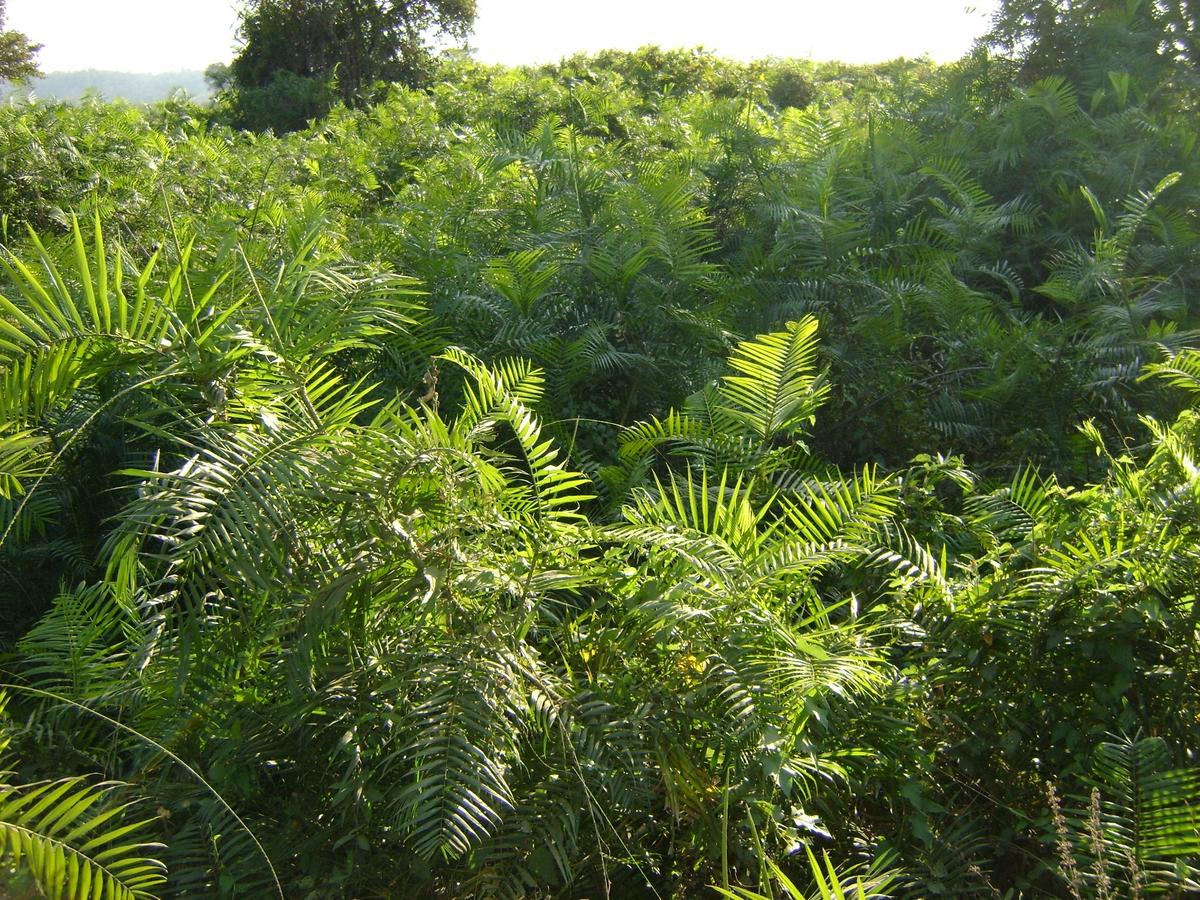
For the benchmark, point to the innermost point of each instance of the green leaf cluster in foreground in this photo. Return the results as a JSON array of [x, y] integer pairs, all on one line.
[[561, 484]]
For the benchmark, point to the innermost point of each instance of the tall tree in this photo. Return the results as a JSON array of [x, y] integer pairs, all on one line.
[[16, 53], [1085, 40], [357, 41]]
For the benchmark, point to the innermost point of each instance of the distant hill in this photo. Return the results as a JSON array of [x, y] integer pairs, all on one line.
[[134, 87]]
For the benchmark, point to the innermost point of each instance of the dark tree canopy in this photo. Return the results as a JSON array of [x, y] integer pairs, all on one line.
[[16, 53], [1154, 40], [356, 41]]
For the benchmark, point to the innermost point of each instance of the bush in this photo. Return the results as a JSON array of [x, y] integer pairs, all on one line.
[[288, 103]]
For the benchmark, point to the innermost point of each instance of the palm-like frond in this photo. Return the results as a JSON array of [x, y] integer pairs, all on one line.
[[777, 390], [540, 482], [52, 310], [320, 307], [713, 531], [1149, 807], [76, 841], [22, 460], [821, 509], [829, 882], [456, 757], [1181, 370], [78, 647], [752, 422], [234, 508], [521, 278], [1141, 827], [1014, 510]]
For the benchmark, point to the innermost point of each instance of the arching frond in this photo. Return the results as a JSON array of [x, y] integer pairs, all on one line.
[[456, 759], [1140, 826], [1182, 370], [75, 840], [777, 390]]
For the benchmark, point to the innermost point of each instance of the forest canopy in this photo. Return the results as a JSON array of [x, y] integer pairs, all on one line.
[[647, 475]]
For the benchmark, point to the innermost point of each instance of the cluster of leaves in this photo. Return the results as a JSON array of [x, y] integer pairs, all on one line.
[[17, 53], [752, 466]]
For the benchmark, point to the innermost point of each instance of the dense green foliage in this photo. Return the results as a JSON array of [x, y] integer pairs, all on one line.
[[72, 841], [641, 476]]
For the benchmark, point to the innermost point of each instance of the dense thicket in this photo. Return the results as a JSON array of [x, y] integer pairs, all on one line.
[[610, 480]]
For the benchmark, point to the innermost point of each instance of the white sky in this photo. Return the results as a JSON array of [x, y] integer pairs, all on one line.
[[168, 35]]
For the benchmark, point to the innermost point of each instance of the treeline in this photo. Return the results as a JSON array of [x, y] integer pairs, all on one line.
[[289, 102], [647, 475]]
